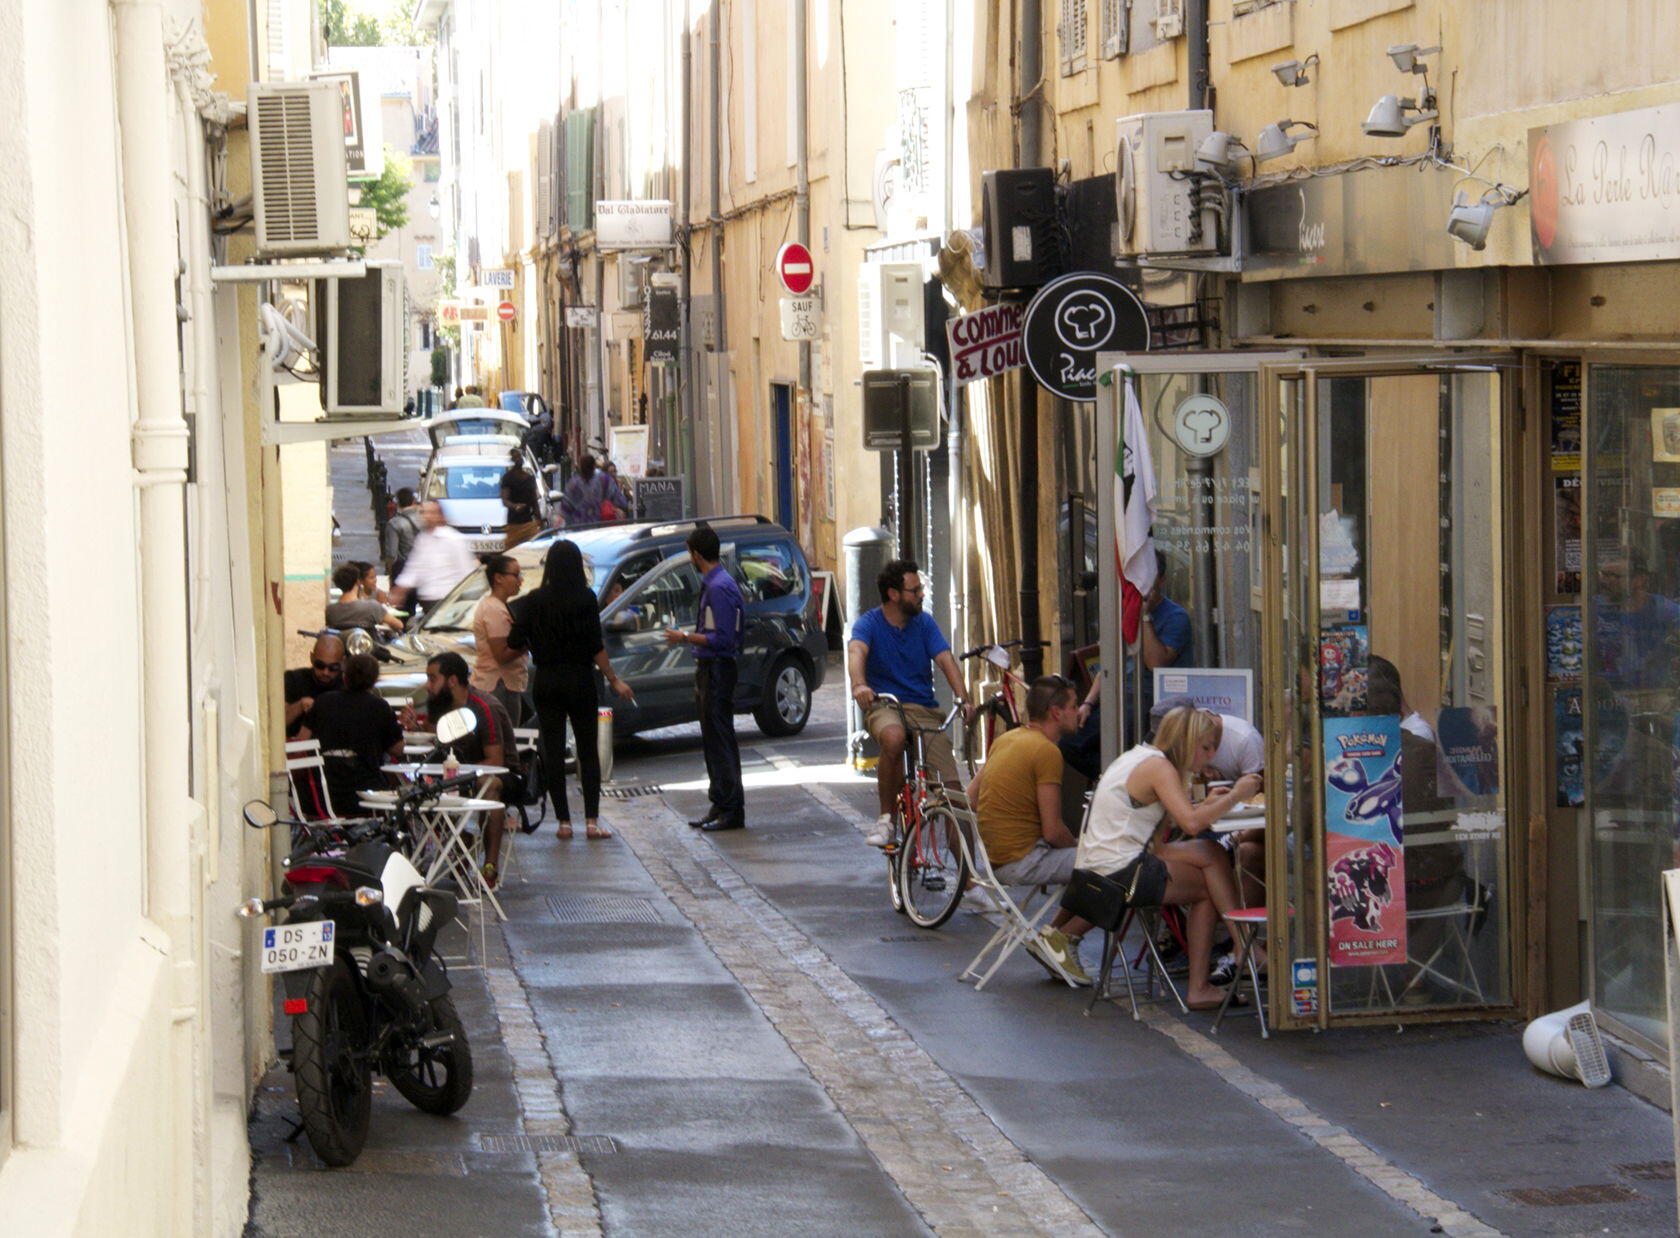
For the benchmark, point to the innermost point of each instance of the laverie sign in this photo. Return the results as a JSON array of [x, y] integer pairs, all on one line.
[[1606, 189]]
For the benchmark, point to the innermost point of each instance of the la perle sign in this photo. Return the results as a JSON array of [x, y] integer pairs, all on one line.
[[1606, 189]]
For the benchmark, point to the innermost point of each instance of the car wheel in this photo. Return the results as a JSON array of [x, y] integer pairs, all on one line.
[[786, 705]]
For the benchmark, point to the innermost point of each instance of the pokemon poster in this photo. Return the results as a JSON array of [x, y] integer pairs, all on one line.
[[1364, 843]]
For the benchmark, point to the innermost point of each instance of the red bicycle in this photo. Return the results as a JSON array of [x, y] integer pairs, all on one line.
[[926, 864], [1002, 701]]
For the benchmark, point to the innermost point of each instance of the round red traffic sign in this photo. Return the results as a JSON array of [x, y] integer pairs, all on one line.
[[505, 311], [795, 268]]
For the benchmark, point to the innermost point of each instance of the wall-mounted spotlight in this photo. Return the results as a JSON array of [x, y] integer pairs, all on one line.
[[1469, 221], [1393, 116], [1218, 151], [1407, 55], [1294, 72], [1275, 141]]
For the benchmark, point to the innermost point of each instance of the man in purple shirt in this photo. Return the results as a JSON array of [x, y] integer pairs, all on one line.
[[717, 644]]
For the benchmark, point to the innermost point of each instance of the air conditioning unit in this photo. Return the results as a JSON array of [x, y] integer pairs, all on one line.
[[299, 177], [361, 327], [1155, 200], [892, 315], [1018, 213]]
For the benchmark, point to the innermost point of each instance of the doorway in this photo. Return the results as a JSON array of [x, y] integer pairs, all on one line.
[[781, 414]]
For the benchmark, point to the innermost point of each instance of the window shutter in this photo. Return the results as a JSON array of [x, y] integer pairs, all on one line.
[[1073, 31], [1116, 28]]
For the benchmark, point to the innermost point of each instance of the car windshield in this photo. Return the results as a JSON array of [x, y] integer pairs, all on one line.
[[455, 612], [482, 425], [471, 481]]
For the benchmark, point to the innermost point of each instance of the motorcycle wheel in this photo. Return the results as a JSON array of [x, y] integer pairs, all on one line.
[[334, 1079], [434, 1080]]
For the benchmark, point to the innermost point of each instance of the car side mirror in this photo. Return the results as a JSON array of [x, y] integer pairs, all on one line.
[[455, 725], [554, 496], [260, 815]]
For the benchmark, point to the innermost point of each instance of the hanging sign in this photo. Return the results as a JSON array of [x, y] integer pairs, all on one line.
[[1201, 426], [986, 343], [1070, 321], [661, 325], [580, 316], [1365, 856], [632, 225]]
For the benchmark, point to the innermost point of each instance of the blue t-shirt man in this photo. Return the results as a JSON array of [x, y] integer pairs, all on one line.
[[900, 660]]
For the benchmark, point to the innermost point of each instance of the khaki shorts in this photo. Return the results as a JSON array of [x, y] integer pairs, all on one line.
[[936, 745]]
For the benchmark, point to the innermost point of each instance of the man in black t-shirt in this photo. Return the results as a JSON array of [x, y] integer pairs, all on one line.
[[325, 673], [491, 742], [358, 732]]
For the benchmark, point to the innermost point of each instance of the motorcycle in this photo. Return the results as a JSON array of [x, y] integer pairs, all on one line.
[[364, 987]]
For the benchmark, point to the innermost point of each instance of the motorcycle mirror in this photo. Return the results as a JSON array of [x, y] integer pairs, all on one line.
[[357, 641], [260, 815], [455, 725]]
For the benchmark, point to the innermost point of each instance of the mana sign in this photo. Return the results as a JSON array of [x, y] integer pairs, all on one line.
[[1070, 321]]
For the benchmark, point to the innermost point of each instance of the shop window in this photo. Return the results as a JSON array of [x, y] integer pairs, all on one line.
[[1116, 28], [1073, 31]]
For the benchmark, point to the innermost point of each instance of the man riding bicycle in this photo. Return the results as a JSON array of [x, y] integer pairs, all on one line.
[[893, 649]]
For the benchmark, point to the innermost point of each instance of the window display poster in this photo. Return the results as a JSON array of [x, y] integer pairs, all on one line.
[[1566, 537], [1467, 738], [1566, 417], [1563, 644], [1665, 435], [1365, 856], [1344, 656], [1571, 750], [1221, 690]]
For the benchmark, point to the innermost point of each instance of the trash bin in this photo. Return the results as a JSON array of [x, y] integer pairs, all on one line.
[[867, 551]]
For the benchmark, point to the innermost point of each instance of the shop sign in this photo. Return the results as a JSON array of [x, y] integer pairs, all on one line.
[[661, 325], [497, 277], [1356, 223], [632, 225], [582, 316], [1365, 856], [658, 498], [473, 313], [1070, 321], [986, 343], [1606, 188], [358, 162], [1201, 425]]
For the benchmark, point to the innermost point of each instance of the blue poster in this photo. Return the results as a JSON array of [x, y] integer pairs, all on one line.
[[1365, 857], [1468, 736]]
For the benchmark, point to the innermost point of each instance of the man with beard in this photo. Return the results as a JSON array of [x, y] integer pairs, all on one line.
[[489, 743], [302, 684], [893, 650]]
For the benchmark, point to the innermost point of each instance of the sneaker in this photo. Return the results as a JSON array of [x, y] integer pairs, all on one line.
[[882, 834], [491, 876], [979, 901], [1056, 953]]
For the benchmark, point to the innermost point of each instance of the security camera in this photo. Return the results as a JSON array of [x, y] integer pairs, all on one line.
[[1275, 141]]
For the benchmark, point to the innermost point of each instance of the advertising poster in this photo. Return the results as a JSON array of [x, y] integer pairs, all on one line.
[[1665, 435], [1566, 543], [1223, 691], [1563, 644], [1365, 855], [1566, 417], [1467, 739], [1344, 656], [1571, 750]]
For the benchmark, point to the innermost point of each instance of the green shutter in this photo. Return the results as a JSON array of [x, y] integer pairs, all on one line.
[[580, 170]]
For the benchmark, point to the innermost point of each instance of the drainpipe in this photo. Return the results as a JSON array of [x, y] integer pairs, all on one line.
[[954, 412], [1028, 82], [720, 327], [686, 351], [1196, 46], [159, 447], [802, 166]]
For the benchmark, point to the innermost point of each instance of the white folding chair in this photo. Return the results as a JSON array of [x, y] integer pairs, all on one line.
[[1021, 920], [306, 780]]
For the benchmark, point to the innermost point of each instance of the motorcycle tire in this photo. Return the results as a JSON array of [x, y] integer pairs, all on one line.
[[333, 1076], [435, 1080]]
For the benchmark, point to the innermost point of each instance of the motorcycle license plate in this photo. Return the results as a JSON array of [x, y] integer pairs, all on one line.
[[293, 947]]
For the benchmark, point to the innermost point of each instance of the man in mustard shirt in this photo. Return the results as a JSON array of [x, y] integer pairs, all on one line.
[[1017, 796]]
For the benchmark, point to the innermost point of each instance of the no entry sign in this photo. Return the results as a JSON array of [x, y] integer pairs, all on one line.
[[505, 311], [795, 268]]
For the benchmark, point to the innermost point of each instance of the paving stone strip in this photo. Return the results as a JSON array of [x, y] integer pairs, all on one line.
[[953, 1164], [572, 1210]]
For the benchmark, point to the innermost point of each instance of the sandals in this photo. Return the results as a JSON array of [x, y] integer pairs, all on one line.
[[597, 831], [563, 830]]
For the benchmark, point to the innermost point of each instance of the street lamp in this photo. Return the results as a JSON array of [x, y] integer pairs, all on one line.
[[434, 208]]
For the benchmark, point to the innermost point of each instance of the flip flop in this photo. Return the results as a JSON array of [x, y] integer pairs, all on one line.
[[597, 831], [564, 831]]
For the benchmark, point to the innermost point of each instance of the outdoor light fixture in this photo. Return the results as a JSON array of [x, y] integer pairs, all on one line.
[[434, 208], [1217, 151], [1276, 140], [1393, 116], [1469, 221], [1406, 55], [1294, 72]]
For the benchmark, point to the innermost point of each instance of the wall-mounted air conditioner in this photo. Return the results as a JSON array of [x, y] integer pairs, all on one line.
[[892, 316], [632, 281], [299, 178], [1155, 200], [361, 326]]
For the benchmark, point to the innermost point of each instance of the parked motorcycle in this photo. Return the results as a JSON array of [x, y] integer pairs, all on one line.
[[364, 987]]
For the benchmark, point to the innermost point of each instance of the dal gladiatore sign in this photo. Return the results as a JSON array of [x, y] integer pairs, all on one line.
[[986, 343], [1606, 188]]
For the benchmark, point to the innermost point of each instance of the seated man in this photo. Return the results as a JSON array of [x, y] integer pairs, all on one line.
[[489, 743], [1017, 796], [302, 684], [358, 732]]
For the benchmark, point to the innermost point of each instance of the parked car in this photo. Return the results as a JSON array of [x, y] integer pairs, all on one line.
[[642, 574], [465, 477], [468, 421], [525, 403]]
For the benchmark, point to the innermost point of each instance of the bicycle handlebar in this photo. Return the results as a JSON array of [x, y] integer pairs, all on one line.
[[897, 704], [981, 650]]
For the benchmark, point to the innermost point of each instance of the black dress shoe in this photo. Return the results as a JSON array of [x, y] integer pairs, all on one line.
[[703, 822], [712, 827]]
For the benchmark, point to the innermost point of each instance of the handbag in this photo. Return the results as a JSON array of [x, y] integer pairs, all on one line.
[[1094, 897]]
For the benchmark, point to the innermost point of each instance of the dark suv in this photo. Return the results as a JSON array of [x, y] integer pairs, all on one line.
[[642, 574]]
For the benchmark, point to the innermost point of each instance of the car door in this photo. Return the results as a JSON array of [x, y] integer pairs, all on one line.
[[775, 589], [633, 630]]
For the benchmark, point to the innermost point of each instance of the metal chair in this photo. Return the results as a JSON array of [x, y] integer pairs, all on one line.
[[1021, 920], [306, 779], [1246, 924]]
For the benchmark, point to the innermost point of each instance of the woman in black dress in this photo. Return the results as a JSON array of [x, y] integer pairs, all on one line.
[[560, 624]]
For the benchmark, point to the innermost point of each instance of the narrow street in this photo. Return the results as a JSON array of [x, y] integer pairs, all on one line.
[[691, 1034]]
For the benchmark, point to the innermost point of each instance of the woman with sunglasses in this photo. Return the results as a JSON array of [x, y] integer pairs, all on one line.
[[1136, 797]]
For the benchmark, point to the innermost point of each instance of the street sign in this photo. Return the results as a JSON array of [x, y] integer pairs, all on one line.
[[497, 277], [884, 392], [474, 313], [801, 318], [580, 316], [506, 311], [987, 343], [1069, 321], [795, 269]]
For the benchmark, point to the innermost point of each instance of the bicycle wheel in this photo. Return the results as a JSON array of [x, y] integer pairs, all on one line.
[[895, 855], [931, 869]]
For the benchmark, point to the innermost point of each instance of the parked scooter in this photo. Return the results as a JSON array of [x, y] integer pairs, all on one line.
[[364, 987]]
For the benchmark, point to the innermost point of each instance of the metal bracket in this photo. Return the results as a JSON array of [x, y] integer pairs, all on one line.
[[260, 272], [279, 432]]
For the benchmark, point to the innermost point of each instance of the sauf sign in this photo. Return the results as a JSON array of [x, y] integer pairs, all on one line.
[[986, 343]]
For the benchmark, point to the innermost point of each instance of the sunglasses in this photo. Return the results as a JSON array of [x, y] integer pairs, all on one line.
[[326, 666]]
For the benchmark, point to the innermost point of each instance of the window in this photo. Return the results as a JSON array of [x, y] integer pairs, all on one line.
[[431, 170], [1116, 28], [423, 257], [1073, 31], [770, 570], [666, 600]]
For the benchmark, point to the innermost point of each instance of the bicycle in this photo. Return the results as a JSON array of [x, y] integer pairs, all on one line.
[[927, 868], [1000, 708]]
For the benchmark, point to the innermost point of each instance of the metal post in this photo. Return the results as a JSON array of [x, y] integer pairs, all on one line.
[[1030, 66], [906, 484]]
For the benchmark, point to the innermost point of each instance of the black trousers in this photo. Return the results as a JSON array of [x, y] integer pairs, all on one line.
[[714, 684], [562, 694]]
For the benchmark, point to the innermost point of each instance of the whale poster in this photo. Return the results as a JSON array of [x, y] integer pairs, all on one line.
[[1365, 853]]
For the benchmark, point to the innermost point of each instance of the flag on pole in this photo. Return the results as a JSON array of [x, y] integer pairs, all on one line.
[[1134, 506]]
